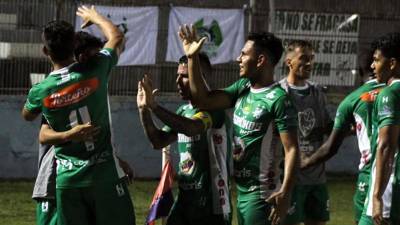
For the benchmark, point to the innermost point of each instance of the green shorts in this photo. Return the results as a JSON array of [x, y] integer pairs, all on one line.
[[309, 202], [253, 212], [189, 211], [360, 194], [97, 204], [46, 212]]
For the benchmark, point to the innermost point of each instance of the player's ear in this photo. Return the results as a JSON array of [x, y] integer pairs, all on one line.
[[262, 60], [393, 63], [45, 51], [288, 63]]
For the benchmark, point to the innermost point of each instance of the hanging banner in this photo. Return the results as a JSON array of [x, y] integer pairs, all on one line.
[[223, 27], [140, 26], [334, 38]]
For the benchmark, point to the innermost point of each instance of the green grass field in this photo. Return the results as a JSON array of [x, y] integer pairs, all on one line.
[[17, 208]]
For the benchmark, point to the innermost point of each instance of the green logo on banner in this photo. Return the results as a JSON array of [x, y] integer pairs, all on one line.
[[213, 33]]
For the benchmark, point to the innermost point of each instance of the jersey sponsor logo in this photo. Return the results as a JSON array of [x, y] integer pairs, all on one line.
[[120, 190], [245, 124], [306, 121], [370, 96], [185, 139], [191, 186], [386, 111], [186, 163], [243, 173], [71, 94]]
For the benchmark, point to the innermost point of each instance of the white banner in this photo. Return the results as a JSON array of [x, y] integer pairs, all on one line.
[[334, 38], [223, 27], [140, 26]]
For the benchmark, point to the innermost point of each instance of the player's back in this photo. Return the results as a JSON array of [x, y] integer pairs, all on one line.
[[74, 95]]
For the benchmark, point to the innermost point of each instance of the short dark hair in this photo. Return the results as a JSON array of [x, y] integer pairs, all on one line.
[[293, 44], [58, 37], [389, 45], [204, 60], [84, 41], [268, 43]]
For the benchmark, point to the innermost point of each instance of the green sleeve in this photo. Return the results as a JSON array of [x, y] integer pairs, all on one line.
[[236, 89], [285, 114], [104, 61], [34, 102], [178, 112], [388, 108], [344, 116]]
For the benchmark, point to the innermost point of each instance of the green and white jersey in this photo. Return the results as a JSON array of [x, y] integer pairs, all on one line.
[[194, 163], [258, 117], [386, 113], [356, 109], [75, 95]]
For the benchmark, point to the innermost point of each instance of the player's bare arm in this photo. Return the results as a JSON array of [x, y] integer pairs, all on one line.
[[281, 199], [157, 137], [179, 124], [28, 115], [114, 36], [79, 133], [387, 146], [326, 151], [201, 96]]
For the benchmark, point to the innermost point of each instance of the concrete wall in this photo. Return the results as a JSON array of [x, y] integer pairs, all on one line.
[[19, 143]]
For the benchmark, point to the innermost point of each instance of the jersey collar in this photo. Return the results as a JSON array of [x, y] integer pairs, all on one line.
[[394, 81], [62, 70], [259, 90]]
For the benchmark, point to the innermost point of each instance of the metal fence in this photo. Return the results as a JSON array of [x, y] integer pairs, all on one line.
[[21, 21]]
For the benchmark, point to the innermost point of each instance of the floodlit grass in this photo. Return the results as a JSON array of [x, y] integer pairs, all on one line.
[[17, 208]]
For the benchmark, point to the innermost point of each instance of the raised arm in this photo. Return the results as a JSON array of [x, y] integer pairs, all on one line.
[[178, 123], [114, 36], [28, 115], [201, 96], [387, 146], [157, 137]]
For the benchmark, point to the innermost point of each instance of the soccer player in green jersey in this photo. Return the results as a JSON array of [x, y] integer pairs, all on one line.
[[263, 112], [354, 111], [89, 186], [383, 200], [188, 126], [310, 200]]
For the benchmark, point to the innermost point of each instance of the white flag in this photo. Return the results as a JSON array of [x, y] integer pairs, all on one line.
[[140, 26], [223, 27]]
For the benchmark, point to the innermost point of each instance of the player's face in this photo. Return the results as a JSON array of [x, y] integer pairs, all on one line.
[[247, 60], [381, 66], [182, 82], [301, 62]]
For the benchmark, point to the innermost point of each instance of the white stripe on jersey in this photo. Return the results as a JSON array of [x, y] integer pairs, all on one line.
[[387, 195], [270, 158], [364, 145]]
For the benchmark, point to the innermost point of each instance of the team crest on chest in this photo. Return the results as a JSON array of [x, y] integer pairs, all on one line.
[[186, 163], [306, 121]]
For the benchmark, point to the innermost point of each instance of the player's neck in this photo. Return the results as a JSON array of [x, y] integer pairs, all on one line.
[[265, 79], [62, 64], [292, 80]]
